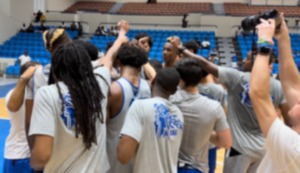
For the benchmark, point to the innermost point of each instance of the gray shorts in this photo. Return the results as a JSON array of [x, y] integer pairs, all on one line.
[[240, 164]]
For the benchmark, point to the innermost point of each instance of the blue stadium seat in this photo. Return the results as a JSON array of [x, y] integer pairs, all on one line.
[[17, 69], [10, 70]]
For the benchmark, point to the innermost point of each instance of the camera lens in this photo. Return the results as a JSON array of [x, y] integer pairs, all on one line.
[[249, 23]]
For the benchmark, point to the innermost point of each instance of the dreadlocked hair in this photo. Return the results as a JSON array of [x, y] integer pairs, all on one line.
[[69, 65]]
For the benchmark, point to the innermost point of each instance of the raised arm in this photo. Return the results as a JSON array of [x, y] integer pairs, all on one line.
[[260, 80], [108, 59], [206, 65], [288, 72], [149, 71], [17, 96]]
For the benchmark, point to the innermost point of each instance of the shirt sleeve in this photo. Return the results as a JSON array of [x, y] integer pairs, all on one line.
[[223, 95], [38, 80], [104, 72], [283, 143], [133, 122], [282, 97], [221, 123], [43, 115], [229, 77]]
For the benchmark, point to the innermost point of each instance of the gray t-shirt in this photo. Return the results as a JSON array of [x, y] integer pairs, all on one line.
[[214, 91], [201, 116], [69, 153], [157, 125], [246, 134]]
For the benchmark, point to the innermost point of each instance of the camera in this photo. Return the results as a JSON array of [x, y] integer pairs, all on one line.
[[250, 22]]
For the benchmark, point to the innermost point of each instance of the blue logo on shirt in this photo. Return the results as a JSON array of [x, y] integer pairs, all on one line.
[[245, 98], [68, 115], [166, 125]]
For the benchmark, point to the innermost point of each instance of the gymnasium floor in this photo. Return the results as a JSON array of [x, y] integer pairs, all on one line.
[[6, 85]]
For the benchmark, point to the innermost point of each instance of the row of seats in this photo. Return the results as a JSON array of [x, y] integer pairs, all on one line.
[[165, 8], [33, 42], [239, 9], [13, 70], [245, 45], [159, 38], [103, 7]]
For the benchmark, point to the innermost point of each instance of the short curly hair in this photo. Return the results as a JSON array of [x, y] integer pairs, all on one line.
[[132, 56]]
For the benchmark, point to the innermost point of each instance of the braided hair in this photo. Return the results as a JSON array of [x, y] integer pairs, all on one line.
[[70, 64]]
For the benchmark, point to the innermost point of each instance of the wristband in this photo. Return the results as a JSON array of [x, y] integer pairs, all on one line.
[[263, 41]]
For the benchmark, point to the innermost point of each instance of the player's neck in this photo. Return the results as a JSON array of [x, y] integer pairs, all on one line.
[[158, 93], [191, 89], [208, 79], [130, 73]]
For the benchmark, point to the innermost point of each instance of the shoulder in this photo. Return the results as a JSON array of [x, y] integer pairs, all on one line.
[[228, 69], [7, 97], [145, 84], [103, 70], [103, 76], [210, 103], [48, 90], [115, 89]]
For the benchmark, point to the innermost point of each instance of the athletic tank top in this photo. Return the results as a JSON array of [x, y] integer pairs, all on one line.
[[130, 94]]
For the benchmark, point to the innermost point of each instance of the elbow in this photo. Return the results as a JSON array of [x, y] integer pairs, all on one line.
[[225, 140], [123, 160], [121, 155], [227, 144], [38, 162], [12, 108], [255, 93]]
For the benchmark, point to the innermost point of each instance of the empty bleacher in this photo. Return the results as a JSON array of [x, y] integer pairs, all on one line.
[[239, 9], [33, 42], [90, 6], [159, 38], [245, 44], [165, 8]]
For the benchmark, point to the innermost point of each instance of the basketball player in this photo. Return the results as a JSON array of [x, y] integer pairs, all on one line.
[[153, 128], [123, 92], [204, 119], [248, 141], [16, 151]]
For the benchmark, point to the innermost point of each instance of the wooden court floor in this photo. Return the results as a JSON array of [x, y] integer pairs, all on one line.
[[220, 156]]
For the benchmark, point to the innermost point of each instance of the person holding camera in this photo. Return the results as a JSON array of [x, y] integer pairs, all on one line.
[[282, 143], [247, 148]]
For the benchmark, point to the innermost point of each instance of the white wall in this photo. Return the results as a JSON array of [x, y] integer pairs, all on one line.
[[13, 13], [58, 5], [10, 28], [221, 24], [21, 11], [5, 7]]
